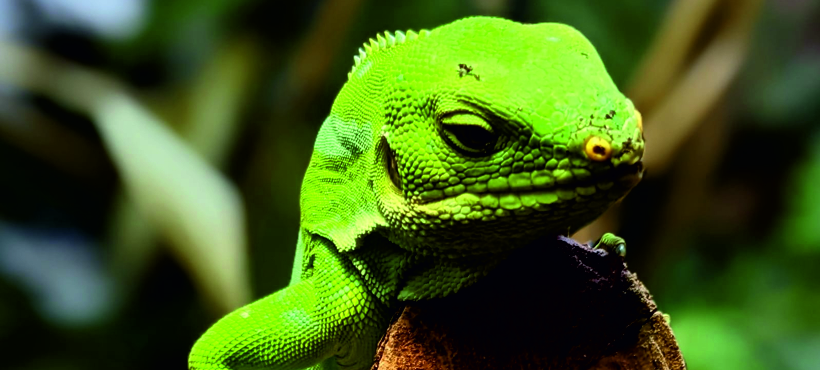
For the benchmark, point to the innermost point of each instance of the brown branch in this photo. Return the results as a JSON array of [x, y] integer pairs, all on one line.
[[553, 304]]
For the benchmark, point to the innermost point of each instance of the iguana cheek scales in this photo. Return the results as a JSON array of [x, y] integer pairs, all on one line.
[[444, 151]]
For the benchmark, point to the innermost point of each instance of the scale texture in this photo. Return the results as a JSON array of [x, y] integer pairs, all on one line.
[[444, 151]]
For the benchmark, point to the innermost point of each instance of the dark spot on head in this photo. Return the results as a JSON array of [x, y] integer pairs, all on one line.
[[464, 69], [599, 149], [586, 56], [610, 114], [627, 146]]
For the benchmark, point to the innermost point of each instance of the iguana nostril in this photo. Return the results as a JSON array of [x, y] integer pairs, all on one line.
[[597, 148]]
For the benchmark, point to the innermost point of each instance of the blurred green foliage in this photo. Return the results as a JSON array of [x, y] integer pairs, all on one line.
[[738, 276]]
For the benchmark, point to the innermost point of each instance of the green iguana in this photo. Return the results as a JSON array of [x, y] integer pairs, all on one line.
[[444, 151]]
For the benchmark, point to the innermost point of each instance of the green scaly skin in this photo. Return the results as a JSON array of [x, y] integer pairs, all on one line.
[[445, 150]]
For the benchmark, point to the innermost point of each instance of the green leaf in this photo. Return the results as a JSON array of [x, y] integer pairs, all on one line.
[[802, 219]]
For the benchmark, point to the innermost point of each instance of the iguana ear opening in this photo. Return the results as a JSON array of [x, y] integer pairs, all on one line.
[[390, 163], [338, 201]]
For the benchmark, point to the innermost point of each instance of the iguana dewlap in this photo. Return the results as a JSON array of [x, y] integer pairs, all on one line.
[[444, 150]]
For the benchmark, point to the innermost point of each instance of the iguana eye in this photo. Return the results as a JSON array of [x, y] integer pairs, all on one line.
[[468, 133]]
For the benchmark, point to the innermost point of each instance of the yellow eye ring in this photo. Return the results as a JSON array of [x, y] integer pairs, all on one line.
[[639, 118], [597, 148]]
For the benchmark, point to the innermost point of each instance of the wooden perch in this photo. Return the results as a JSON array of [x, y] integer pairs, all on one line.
[[554, 304]]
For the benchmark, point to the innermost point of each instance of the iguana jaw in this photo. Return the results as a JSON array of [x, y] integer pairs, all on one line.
[[625, 177]]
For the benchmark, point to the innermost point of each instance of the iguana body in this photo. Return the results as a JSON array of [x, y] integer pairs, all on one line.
[[443, 151]]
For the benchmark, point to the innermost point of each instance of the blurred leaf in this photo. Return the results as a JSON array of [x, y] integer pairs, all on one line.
[[199, 211], [217, 98], [195, 207], [700, 87], [169, 20], [800, 224], [673, 46], [787, 95], [134, 242], [759, 307], [209, 123], [115, 19], [802, 353], [61, 270], [711, 339]]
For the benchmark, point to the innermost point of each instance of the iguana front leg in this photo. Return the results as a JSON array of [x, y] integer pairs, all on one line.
[[328, 313]]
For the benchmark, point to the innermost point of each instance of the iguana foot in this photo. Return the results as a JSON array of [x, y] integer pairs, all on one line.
[[612, 244]]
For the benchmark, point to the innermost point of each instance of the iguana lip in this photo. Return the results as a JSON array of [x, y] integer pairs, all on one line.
[[616, 182], [626, 176], [632, 174]]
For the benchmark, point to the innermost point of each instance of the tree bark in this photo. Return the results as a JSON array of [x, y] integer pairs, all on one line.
[[555, 304]]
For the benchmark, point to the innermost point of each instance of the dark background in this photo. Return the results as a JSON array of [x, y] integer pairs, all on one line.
[[118, 248]]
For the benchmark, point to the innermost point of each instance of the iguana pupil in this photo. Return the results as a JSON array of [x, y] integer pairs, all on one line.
[[469, 137]]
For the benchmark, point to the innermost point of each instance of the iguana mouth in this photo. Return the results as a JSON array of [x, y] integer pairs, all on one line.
[[627, 176], [534, 210], [622, 178]]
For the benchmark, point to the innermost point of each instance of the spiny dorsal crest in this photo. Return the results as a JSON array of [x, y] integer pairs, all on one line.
[[383, 42]]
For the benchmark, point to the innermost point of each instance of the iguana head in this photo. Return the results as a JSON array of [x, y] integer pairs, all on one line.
[[488, 133]]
